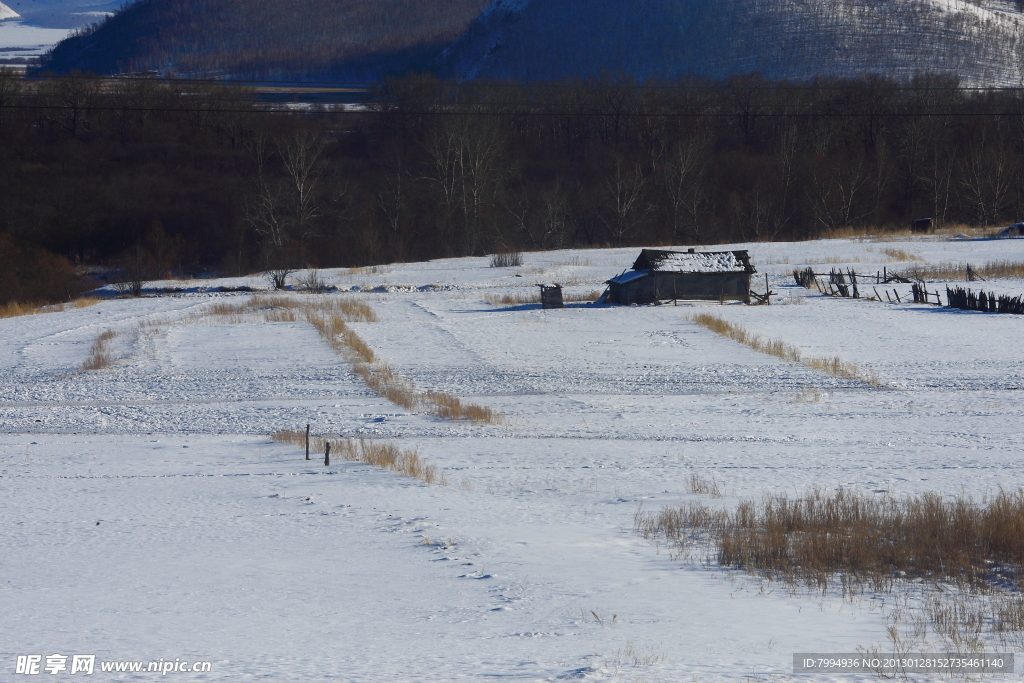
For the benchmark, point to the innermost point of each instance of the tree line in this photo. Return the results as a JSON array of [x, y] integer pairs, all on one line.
[[194, 177]]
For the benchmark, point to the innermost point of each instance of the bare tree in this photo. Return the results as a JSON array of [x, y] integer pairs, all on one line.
[[136, 266], [262, 209], [624, 191], [686, 186], [392, 190], [300, 153], [753, 211], [836, 190], [68, 101], [986, 175], [468, 168]]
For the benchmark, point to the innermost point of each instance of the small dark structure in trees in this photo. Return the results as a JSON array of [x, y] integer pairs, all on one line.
[[551, 296], [921, 225], [1015, 230], [671, 275]]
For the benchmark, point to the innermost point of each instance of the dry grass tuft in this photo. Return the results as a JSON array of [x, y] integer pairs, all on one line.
[[895, 254], [84, 302], [15, 309], [699, 485], [451, 408], [575, 262], [506, 259], [780, 349], [869, 540], [518, 299], [592, 295], [521, 299], [100, 356], [383, 455]]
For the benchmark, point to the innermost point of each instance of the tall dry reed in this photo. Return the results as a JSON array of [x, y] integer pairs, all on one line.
[[868, 539], [100, 356]]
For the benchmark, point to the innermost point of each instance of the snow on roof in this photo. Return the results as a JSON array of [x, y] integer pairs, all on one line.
[[629, 276], [693, 262]]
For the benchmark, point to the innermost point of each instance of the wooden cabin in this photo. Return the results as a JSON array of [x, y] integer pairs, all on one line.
[[671, 275]]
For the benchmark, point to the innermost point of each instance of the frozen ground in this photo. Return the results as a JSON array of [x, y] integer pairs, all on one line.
[[146, 513]]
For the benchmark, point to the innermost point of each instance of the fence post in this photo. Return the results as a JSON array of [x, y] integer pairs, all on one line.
[[307, 442], [327, 453]]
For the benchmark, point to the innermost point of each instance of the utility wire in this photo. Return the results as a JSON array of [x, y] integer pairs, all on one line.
[[513, 114], [367, 85]]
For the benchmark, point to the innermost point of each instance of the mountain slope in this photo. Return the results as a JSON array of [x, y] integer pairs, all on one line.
[[354, 39], [7, 13], [795, 39]]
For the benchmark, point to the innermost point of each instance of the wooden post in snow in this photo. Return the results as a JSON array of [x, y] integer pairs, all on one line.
[[307, 442], [327, 453]]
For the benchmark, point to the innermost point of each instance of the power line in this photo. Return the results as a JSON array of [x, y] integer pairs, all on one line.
[[780, 86], [514, 114]]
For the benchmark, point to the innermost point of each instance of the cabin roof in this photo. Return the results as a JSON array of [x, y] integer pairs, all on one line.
[[693, 261]]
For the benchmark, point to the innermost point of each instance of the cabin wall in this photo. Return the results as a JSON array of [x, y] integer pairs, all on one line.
[[731, 286], [667, 286]]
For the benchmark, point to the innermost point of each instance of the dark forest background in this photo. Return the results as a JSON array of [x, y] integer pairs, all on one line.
[[194, 178]]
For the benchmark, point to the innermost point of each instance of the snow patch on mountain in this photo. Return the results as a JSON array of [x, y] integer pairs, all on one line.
[[793, 39], [7, 13]]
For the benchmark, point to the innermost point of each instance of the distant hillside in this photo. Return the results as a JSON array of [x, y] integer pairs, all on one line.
[[345, 39], [535, 40]]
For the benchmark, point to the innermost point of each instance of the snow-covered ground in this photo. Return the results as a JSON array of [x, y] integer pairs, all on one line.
[[146, 514], [20, 39]]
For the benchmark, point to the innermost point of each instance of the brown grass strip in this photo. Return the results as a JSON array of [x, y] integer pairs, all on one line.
[[523, 298], [15, 309], [330, 315], [383, 455], [100, 356], [519, 299], [833, 366], [993, 270], [895, 254]]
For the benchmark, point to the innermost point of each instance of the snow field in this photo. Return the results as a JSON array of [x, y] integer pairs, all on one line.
[[215, 543]]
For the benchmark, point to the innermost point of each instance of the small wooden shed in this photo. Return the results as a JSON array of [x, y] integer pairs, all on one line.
[[551, 296], [669, 275]]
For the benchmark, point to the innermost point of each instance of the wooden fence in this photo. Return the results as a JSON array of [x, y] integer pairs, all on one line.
[[967, 300], [846, 285]]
